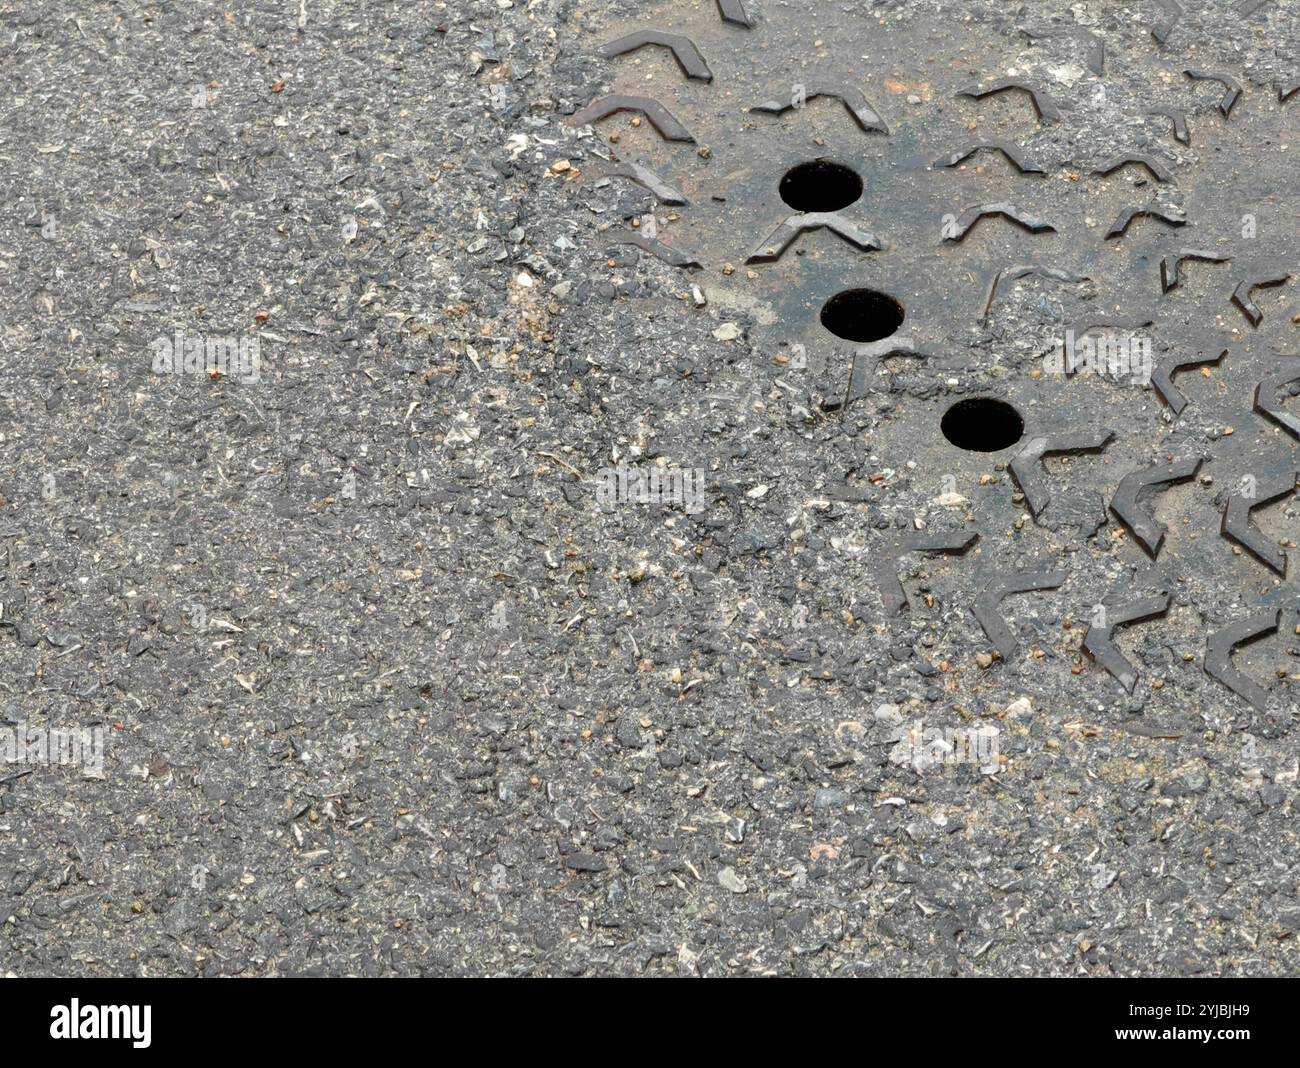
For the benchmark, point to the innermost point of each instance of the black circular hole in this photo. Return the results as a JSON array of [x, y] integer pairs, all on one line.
[[862, 315], [982, 424], [821, 185]]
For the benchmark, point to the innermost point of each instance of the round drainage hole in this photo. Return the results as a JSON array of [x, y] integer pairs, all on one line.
[[982, 424], [862, 315], [820, 186]]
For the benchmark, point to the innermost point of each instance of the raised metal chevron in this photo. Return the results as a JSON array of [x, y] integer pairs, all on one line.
[[644, 176], [1027, 468], [789, 231], [1098, 643], [1171, 266], [1155, 211], [658, 249], [1008, 150], [1230, 97], [853, 99], [1173, 14], [1180, 123], [1162, 378], [683, 49], [1266, 400], [972, 215], [1218, 653], [1044, 105], [987, 606], [1149, 532], [1158, 170], [658, 116], [1236, 518], [886, 565], [734, 11], [866, 358], [1241, 296]]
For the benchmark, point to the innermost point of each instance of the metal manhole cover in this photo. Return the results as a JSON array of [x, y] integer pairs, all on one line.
[[1028, 290]]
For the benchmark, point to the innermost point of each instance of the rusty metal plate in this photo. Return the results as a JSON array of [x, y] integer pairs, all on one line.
[[1022, 231]]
